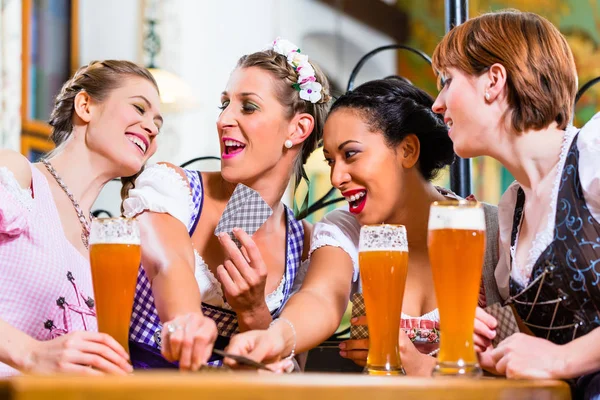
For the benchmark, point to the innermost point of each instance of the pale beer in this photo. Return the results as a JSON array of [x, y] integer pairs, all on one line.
[[115, 256], [383, 262], [456, 245]]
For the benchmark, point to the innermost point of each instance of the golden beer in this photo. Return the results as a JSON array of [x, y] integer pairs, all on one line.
[[383, 267], [456, 242], [115, 256]]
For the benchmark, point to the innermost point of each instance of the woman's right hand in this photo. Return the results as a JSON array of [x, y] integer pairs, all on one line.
[[85, 353], [485, 330], [189, 339]]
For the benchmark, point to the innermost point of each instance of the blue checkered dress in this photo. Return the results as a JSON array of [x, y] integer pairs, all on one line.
[[145, 329]]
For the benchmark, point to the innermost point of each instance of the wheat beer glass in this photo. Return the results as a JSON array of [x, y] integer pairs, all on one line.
[[383, 263], [115, 256], [456, 242]]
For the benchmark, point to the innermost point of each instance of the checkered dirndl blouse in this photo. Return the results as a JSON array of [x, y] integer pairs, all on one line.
[[145, 330], [45, 283]]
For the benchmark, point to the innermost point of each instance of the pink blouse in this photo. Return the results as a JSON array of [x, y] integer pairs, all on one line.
[[45, 283]]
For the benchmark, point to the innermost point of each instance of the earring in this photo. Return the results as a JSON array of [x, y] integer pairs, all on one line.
[[288, 144], [487, 96]]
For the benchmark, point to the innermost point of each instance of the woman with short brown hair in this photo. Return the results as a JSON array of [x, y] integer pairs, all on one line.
[[508, 88]]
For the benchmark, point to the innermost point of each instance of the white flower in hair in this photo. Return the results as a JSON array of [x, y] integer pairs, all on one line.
[[311, 91], [297, 59], [284, 47], [307, 85], [305, 71]]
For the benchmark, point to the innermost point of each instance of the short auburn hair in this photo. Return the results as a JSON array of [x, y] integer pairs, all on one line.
[[541, 72]]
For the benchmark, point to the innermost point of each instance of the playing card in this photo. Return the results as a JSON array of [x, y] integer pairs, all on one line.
[[358, 310], [507, 323], [245, 210]]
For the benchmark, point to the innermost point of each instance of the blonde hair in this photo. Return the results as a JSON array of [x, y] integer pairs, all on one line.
[[286, 77]]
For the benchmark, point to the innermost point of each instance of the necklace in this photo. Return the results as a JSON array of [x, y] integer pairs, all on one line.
[[85, 225]]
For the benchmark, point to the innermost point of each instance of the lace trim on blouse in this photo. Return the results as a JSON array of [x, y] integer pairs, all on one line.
[[23, 196]]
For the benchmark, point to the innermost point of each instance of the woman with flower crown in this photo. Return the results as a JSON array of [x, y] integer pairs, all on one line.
[[273, 110]]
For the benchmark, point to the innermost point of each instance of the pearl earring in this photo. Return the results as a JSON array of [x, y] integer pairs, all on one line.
[[487, 96], [288, 144]]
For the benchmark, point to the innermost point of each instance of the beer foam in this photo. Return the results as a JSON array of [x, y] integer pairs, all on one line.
[[383, 238], [364, 250], [114, 231], [115, 240], [471, 218]]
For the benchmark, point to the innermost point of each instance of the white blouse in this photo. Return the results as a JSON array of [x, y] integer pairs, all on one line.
[[159, 188], [588, 144]]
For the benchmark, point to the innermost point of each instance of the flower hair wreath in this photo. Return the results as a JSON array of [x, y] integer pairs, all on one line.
[[307, 85]]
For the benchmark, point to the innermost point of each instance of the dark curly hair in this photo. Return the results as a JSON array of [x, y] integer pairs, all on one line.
[[396, 108]]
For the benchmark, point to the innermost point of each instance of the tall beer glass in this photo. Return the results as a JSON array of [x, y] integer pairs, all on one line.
[[456, 241], [383, 263], [115, 256]]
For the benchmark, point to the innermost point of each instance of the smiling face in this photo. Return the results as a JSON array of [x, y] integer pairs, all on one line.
[[462, 103], [123, 127], [253, 125], [367, 172]]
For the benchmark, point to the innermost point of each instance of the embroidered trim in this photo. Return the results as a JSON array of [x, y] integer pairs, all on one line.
[[64, 310]]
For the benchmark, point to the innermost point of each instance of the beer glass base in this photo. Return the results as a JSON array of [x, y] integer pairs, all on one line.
[[457, 369], [383, 371]]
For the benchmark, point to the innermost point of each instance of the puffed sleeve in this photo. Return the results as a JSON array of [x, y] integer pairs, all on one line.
[[15, 205], [588, 144], [340, 229], [161, 189]]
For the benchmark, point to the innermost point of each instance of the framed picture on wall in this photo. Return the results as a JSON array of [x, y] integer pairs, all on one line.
[[50, 57], [33, 146]]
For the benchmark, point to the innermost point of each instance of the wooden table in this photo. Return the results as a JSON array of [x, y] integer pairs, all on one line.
[[249, 385]]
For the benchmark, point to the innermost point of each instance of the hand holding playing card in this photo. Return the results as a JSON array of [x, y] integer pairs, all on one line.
[[492, 326], [244, 273], [245, 210]]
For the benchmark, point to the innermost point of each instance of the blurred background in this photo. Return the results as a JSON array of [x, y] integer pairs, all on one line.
[[192, 46]]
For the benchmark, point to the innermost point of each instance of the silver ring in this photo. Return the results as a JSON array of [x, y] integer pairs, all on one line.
[[171, 328]]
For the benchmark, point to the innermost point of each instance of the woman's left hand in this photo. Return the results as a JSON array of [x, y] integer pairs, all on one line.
[[244, 273], [522, 356]]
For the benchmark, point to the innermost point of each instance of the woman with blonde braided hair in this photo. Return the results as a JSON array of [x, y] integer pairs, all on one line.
[[104, 124], [273, 110]]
